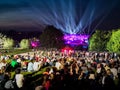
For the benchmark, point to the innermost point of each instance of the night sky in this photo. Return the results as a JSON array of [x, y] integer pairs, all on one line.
[[63, 14]]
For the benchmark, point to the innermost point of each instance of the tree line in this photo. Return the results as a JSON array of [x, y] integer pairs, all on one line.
[[53, 38], [105, 41]]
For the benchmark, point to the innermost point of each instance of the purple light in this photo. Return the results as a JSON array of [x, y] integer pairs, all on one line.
[[35, 43], [76, 39]]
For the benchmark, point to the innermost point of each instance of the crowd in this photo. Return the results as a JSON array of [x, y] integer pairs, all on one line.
[[69, 70]]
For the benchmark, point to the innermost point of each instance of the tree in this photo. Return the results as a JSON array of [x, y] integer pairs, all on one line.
[[114, 43], [51, 38], [2, 39], [25, 44], [98, 40], [8, 43]]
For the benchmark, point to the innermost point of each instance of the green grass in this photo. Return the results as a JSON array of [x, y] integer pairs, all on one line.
[[31, 78], [14, 51], [31, 74]]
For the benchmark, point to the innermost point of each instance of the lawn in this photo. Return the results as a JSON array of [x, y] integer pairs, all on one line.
[[14, 51], [32, 79]]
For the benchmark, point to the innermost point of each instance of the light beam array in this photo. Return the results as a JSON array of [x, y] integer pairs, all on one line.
[[71, 16]]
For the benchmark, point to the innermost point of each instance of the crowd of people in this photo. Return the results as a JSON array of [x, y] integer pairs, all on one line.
[[69, 70]]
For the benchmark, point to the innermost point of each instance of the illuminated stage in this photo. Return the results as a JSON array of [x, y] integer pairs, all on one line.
[[76, 40]]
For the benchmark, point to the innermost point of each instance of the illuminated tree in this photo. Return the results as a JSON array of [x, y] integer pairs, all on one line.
[[8, 43], [114, 43], [25, 44], [98, 40], [2, 39]]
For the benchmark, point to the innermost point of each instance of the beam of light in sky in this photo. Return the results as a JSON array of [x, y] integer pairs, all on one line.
[[70, 16]]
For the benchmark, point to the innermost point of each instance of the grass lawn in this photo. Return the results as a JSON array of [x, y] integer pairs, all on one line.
[[32, 79], [13, 51]]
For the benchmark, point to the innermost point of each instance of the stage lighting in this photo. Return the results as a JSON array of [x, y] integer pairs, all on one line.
[[76, 39]]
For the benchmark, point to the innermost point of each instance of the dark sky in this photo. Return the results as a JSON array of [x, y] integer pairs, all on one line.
[[72, 16], [112, 20]]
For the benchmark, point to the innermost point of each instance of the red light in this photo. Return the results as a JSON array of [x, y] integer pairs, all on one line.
[[67, 50]]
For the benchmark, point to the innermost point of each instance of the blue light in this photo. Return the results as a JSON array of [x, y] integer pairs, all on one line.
[[70, 16]]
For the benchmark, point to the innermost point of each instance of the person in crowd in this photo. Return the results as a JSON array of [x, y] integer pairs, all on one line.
[[14, 63], [9, 84], [85, 70], [19, 79], [24, 65], [108, 80], [30, 66], [3, 63]]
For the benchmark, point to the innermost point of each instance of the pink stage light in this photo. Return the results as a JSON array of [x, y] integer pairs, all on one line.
[[76, 39]]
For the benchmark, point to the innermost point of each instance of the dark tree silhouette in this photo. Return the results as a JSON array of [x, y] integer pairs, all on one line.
[[51, 38]]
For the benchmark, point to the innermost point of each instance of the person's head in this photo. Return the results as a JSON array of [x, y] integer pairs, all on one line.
[[3, 60], [47, 69], [108, 72], [3, 68], [17, 71], [15, 56], [98, 65], [92, 76], [39, 88], [7, 75]]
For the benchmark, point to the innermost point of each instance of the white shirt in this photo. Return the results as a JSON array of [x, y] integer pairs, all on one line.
[[114, 71], [57, 65], [36, 66], [19, 80], [30, 67], [2, 65]]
